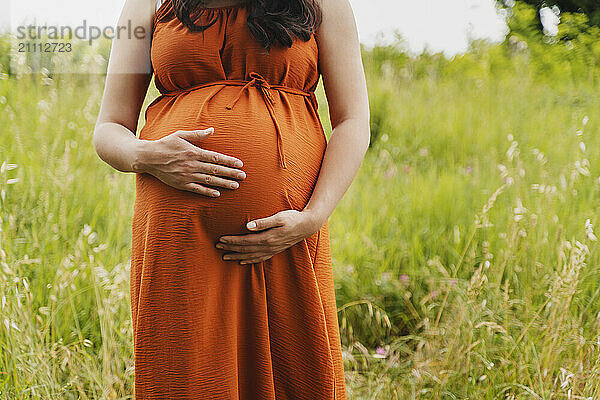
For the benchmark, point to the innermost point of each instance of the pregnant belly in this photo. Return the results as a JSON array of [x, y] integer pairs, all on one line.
[[246, 132]]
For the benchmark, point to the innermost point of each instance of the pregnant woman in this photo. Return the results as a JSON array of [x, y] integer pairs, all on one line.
[[232, 293]]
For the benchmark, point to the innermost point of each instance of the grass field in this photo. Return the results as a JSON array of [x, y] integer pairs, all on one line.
[[464, 255]]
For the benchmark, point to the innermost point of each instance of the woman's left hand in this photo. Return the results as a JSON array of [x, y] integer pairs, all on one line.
[[270, 236]]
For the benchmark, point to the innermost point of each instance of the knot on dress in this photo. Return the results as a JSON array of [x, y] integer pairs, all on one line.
[[261, 83]]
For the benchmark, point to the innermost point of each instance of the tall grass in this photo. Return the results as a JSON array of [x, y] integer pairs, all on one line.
[[470, 228], [465, 258]]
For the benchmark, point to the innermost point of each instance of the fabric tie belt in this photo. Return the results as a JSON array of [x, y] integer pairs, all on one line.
[[265, 88]]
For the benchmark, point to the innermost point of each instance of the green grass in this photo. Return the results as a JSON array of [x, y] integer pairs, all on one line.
[[460, 251]]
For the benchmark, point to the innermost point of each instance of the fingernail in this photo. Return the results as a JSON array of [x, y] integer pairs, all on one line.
[[251, 225], [220, 246], [223, 240], [235, 185], [241, 175], [226, 258], [243, 262], [238, 163], [216, 194]]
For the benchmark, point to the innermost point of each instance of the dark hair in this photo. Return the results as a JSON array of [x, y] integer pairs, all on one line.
[[269, 21]]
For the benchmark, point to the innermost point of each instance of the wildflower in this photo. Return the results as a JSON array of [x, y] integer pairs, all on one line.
[[86, 229], [44, 105], [538, 155], [582, 167], [380, 352], [589, 230], [513, 150], [7, 167], [565, 377], [519, 210], [10, 324], [92, 237]]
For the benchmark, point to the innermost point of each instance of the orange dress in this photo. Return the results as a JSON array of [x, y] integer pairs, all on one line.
[[205, 328]]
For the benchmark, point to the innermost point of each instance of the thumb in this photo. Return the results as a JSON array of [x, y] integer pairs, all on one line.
[[196, 134], [264, 223]]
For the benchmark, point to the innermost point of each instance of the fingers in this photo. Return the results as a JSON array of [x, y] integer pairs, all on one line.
[[249, 258], [206, 155], [241, 256], [265, 223], [213, 157], [219, 170], [213, 168], [211, 180], [255, 260], [239, 248], [196, 134], [263, 238], [196, 188]]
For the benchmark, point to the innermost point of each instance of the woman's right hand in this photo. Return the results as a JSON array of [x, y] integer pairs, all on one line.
[[178, 162]]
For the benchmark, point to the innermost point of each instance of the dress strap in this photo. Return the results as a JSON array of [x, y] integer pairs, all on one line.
[[265, 88]]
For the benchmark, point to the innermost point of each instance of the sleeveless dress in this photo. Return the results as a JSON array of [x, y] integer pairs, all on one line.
[[203, 327]]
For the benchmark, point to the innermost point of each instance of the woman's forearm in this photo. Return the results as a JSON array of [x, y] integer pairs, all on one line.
[[344, 154], [117, 146]]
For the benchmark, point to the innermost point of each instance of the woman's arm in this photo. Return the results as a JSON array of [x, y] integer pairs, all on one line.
[[346, 90], [128, 76], [174, 159]]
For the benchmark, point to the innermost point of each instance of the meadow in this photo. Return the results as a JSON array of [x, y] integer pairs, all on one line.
[[464, 253]]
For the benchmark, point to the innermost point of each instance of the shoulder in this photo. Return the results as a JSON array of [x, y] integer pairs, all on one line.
[[331, 8], [141, 8], [338, 19], [137, 13], [337, 14]]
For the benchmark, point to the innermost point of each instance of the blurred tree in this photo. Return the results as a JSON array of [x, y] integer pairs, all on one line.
[[589, 7]]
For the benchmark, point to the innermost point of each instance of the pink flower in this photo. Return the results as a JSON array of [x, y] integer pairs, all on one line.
[[380, 352]]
